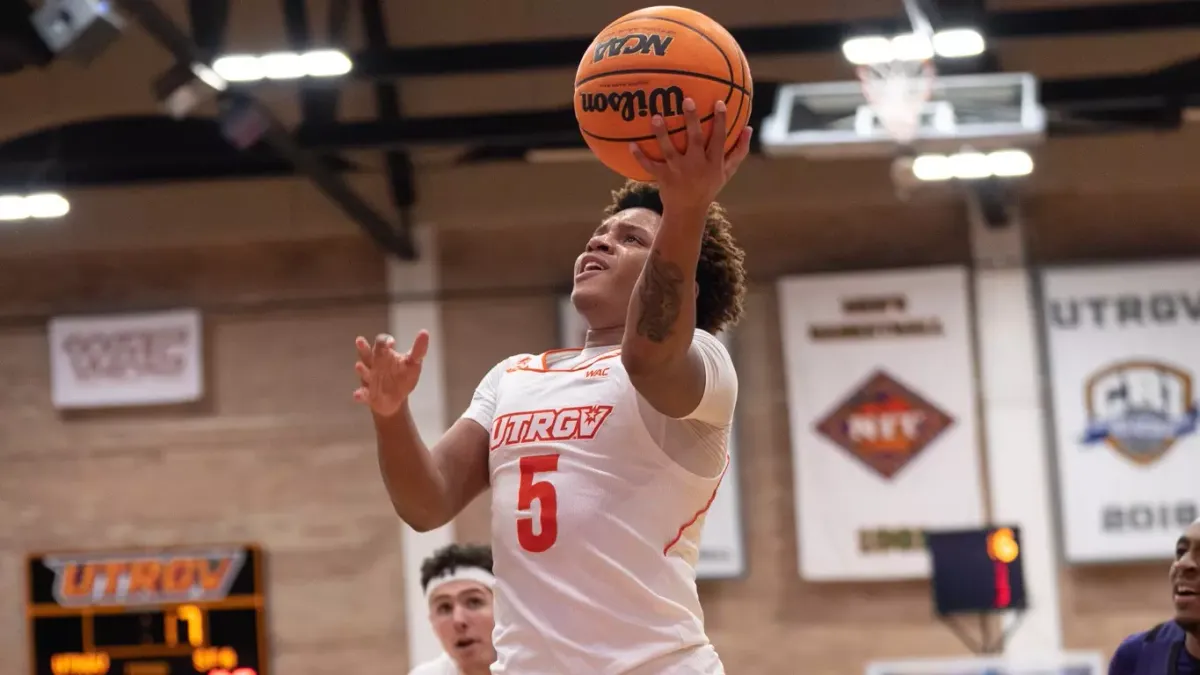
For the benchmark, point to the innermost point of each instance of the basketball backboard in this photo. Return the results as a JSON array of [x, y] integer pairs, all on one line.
[[833, 119]]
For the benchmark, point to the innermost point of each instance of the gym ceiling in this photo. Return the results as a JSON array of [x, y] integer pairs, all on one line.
[[472, 81]]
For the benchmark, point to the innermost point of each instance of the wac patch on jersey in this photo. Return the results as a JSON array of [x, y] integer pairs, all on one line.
[[884, 424]]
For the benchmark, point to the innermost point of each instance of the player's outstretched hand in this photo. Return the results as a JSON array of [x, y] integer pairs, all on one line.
[[388, 377], [694, 177]]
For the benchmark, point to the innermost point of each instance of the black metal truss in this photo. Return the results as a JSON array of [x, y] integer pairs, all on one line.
[[803, 38], [397, 240], [397, 162], [149, 148], [155, 148]]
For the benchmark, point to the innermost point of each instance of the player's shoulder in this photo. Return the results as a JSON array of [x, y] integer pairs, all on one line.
[[1132, 645], [707, 339], [1126, 655], [713, 350], [517, 362]]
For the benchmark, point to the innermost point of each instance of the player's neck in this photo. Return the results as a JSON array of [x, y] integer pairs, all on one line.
[[477, 670], [604, 337], [1192, 643]]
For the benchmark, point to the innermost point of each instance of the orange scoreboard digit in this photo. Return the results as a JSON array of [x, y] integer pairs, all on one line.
[[193, 611]]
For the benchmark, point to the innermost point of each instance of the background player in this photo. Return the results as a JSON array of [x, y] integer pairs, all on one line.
[[1171, 648], [602, 461], [458, 584]]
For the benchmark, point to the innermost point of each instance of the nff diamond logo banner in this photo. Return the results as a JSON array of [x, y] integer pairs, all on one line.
[[884, 424], [882, 412]]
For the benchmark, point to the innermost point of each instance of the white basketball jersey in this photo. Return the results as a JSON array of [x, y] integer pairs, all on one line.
[[442, 665], [595, 529]]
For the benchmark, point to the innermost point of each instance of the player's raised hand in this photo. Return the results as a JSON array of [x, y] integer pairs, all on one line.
[[387, 376], [694, 177]]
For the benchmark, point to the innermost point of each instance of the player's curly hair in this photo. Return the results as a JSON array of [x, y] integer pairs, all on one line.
[[452, 557], [720, 272]]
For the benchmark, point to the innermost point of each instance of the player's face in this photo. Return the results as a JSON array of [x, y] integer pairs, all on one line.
[[461, 614], [1185, 578], [608, 269]]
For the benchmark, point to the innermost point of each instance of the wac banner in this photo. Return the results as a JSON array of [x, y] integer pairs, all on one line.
[[722, 549], [881, 405], [1124, 356], [126, 360]]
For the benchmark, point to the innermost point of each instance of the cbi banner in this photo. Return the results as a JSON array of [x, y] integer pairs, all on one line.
[[881, 403], [1124, 353], [126, 359], [722, 548]]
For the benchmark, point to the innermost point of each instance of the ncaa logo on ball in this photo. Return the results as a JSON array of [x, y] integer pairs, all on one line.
[[646, 44]]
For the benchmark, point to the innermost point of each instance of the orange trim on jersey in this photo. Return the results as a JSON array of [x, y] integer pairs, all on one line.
[[683, 528], [545, 368]]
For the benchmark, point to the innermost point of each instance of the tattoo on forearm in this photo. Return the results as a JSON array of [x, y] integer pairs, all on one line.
[[660, 292]]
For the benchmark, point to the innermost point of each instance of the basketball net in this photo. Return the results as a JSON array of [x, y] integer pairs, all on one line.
[[897, 92]]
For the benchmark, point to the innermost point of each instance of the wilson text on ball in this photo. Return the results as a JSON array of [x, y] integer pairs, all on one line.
[[665, 101]]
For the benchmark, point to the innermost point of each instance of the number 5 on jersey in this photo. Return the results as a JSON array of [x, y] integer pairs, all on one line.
[[542, 491]]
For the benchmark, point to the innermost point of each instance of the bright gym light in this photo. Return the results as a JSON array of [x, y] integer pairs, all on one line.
[[955, 43], [39, 206], [973, 165], [282, 65], [958, 43]]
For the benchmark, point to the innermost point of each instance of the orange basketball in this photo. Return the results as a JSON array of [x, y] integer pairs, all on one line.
[[646, 63]]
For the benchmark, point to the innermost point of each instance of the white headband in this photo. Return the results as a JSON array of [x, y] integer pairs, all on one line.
[[476, 574]]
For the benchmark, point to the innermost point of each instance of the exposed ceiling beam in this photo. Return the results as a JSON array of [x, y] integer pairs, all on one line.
[[556, 127], [800, 38], [162, 28], [389, 109], [114, 152]]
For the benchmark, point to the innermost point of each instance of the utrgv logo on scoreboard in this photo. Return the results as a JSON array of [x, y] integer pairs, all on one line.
[[884, 424], [1139, 408], [116, 579]]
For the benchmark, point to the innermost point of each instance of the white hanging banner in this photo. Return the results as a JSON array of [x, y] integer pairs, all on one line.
[[126, 359], [722, 548], [1124, 354], [881, 403]]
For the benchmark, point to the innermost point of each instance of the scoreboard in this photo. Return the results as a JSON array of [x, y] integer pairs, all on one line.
[[194, 611], [977, 571]]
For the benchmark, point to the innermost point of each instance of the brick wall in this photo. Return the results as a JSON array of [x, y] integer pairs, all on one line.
[[277, 453]]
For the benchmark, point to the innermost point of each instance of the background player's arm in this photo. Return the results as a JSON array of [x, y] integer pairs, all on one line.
[[429, 487]]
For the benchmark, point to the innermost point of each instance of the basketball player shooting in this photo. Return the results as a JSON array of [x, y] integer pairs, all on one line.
[[602, 461]]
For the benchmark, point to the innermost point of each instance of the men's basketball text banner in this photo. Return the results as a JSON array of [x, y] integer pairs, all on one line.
[[881, 405]]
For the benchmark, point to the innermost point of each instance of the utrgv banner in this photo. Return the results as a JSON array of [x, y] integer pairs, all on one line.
[[722, 549], [126, 360], [1124, 354], [881, 404]]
